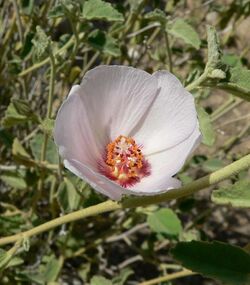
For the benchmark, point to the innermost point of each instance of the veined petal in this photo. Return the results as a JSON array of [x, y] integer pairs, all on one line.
[[167, 163], [117, 97], [118, 102], [96, 180], [73, 134], [114, 191], [171, 118]]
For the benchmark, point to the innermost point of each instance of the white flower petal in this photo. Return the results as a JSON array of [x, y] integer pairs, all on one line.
[[170, 161], [165, 164], [171, 118], [116, 98], [72, 132], [97, 181], [154, 185]]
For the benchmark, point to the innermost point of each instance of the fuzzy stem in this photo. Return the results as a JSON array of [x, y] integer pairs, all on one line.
[[192, 187], [109, 205], [199, 81]]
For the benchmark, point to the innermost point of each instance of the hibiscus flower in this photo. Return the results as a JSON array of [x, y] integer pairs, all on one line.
[[125, 131]]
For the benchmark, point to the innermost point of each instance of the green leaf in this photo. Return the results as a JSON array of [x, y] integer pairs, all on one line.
[[56, 11], [101, 10], [47, 272], [8, 260], [51, 153], [104, 43], [165, 221], [221, 261], [231, 60], [237, 195], [41, 43], [12, 117], [122, 277], [212, 164], [18, 111], [15, 261], [22, 107], [157, 15], [235, 89], [4, 258], [52, 269], [208, 133], [214, 52], [184, 31], [14, 180], [67, 196], [240, 77], [20, 154], [99, 280], [19, 151]]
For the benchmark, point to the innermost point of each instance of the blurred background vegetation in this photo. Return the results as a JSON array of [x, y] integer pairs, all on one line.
[[45, 48]]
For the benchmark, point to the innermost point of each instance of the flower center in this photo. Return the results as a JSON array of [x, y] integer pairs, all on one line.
[[125, 162]]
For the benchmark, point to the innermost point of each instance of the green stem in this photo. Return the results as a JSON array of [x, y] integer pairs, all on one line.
[[109, 205], [73, 25], [192, 187], [50, 100], [10, 253], [51, 85], [90, 211], [224, 106], [138, 32], [19, 23], [90, 63], [199, 80], [47, 60], [46, 136], [169, 53], [227, 109]]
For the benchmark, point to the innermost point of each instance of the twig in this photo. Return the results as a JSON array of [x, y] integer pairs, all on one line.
[[109, 205], [168, 277], [127, 233]]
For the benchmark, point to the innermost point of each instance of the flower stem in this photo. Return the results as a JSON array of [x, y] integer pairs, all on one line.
[[169, 53], [50, 100], [46, 136], [168, 277], [109, 205], [199, 80]]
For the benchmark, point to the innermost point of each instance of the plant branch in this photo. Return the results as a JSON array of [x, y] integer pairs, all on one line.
[[109, 205], [169, 53], [193, 187], [199, 80], [168, 277], [74, 216], [50, 100]]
